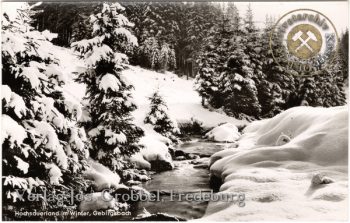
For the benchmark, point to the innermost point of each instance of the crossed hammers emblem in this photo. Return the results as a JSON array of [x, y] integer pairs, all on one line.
[[304, 42]]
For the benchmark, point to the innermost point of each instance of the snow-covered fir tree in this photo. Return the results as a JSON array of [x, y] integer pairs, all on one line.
[[110, 129], [157, 56], [206, 79], [325, 89], [237, 81], [253, 47], [239, 89], [160, 119], [248, 20], [167, 60], [344, 52], [154, 33], [232, 14], [42, 147], [150, 52], [277, 84], [212, 62], [195, 27]]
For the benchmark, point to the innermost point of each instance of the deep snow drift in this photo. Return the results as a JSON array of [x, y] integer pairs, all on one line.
[[292, 166]]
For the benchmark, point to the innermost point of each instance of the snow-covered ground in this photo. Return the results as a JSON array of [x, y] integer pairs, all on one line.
[[293, 166]]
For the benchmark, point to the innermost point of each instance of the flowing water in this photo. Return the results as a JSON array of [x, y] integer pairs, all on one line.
[[183, 179]]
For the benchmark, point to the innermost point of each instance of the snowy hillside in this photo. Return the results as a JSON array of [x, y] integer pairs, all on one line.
[[183, 101], [296, 159]]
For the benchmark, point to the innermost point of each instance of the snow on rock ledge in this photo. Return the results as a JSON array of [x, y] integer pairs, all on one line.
[[102, 177], [223, 133], [154, 155], [276, 163]]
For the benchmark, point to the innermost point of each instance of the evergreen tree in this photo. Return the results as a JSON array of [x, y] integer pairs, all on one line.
[[238, 80], [155, 31], [239, 89], [194, 27], [206, 79], [43, 149], [159, 118], [344, 53], [233, 16], [326, 88], [276, 87], [81, 29], [167, 60], [226, 76], [157, 56], [212, 62], [111, 131], [253, 47], [248, 21]]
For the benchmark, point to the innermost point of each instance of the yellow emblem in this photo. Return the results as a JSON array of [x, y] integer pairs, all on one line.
[[304, 41]]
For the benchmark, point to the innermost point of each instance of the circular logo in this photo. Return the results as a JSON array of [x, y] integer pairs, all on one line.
[[308, 39], [304, 41]]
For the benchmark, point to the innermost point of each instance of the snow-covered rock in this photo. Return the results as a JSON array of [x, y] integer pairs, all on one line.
[[102, 177], [292, 166], [227, 132], [154, 152]]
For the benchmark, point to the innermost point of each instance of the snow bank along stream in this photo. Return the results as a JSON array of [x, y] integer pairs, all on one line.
[[292, 166]]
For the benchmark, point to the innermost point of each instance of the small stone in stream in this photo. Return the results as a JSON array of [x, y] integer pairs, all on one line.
[[179, 153], [136, 175], [198, 161], [193, 156], [122, 191], [194, 162], [180, 158], [159, 217], [161, 165], [215, 183], [321, 179], [133, 182], [144, 172], [171, 151], [144, 178]]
